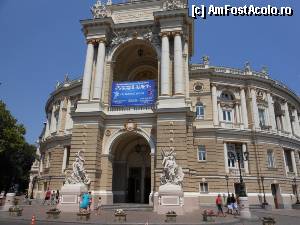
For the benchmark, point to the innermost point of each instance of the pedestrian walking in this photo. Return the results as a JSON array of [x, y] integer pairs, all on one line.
[[57, 196], [90, 200], [98, 208], [234, 205], [53, 198], [228, 203], [219, 205], [47, 196]]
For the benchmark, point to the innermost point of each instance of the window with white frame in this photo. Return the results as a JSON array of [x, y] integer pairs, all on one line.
[[262, 117], [199, 111], [227, 115], [201, 153], [203, 187], [288, 160], [271, 158]]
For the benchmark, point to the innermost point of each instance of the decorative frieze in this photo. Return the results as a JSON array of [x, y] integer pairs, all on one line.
[[174, 4], [100, 10]]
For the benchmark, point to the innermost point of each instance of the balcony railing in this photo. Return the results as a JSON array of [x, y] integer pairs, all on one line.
[[130, 108]]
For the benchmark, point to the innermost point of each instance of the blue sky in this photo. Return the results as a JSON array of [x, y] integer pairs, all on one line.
[[41, 41]]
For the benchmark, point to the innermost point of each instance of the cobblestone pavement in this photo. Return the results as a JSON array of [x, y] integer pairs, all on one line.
[[282, 217]]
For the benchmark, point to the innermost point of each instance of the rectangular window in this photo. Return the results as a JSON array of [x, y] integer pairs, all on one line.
[[233, 151], [204, 187], [288, 160], [262, 119], [227, 115], [68, 156], [201, 153], [271, 159], [200, 111]]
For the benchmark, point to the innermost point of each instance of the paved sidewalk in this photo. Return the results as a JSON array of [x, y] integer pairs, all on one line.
[[107, 217], [282, 217]]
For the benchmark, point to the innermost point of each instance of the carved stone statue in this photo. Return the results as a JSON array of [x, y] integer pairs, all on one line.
[[172, 173], [79, 174], [205, 60], [247, 67]]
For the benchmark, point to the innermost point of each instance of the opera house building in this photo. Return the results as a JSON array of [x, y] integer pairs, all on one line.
[[139, 96]]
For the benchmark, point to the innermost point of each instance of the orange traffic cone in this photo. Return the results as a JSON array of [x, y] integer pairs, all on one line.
[[33, 220]]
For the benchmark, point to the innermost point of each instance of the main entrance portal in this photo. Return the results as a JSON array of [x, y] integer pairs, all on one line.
[[131, 169]]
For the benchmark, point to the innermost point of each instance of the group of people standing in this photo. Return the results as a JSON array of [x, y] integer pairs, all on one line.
[[231, 204], [86, 202], [51, 197]]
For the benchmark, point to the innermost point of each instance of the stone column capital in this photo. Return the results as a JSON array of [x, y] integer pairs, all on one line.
[[165, 34], [177, 33], [95, 41]]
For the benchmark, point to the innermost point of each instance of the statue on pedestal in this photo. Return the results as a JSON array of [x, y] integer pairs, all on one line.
[[172, 173], [79, 174]]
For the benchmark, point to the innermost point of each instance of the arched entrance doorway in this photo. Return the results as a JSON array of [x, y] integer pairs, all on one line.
[[131, 178]]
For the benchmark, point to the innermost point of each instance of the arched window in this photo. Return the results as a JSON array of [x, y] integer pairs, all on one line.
[[226, 96], [199, 111]]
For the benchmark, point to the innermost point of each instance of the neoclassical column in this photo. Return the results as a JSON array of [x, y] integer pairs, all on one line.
[[178, 65], [87, 75], [287, 118], [64, 164], [47, 131], [296, 123], [98, 82], [254, 109], [60, 115], [244, 108], [237, 113], [220, 113], [246, 164], [294, 163], [165, 64], [272, 119], [53, 120], [214, 104], [69, 121], [186, 68], [226, 158]]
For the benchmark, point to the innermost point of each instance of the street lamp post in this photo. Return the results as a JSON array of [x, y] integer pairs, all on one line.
[[227, 178], [237, 157], [296, 190], [244, 204], [265, 203]]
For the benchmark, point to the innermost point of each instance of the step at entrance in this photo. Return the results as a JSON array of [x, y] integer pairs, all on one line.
[[128, 207]]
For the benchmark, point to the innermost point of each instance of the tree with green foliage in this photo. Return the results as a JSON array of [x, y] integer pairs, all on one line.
[[16, 155]]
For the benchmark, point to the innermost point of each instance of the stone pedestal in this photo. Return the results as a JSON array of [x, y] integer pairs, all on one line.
[[170, 198], [9, 201], [70, 196], [244, 208]]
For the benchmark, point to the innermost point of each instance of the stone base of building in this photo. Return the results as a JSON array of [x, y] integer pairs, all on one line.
[[70, 196]]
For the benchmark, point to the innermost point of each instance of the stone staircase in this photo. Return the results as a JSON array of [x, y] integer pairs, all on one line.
[[128, 207]]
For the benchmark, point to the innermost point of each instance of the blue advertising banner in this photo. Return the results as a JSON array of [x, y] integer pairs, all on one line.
[[136, 93]]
